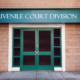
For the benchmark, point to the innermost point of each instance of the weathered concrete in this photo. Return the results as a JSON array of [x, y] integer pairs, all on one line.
[[39, 75]]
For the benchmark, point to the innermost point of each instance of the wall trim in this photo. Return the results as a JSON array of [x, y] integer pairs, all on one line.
[[39, 8], [57, 68], [11, 26]]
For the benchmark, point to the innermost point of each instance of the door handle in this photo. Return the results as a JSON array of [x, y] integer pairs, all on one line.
[[37, 45], [36, 52]]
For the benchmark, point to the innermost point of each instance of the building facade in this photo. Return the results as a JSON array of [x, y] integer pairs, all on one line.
[[40, 35]]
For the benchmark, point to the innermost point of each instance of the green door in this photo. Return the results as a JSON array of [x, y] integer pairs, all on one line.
[[36, 49], [44, 49]]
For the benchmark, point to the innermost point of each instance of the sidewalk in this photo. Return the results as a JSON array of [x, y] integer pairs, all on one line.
[[39, 75]]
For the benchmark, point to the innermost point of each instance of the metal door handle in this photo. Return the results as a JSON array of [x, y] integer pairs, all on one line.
[[37, 45], [36, 52]]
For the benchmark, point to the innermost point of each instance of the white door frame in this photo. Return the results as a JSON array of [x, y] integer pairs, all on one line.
[[11, 26]]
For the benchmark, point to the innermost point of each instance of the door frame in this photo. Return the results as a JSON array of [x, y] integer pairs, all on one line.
[[47, 25], [51, 67]]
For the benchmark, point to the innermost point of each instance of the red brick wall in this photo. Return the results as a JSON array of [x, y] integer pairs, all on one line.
[[4, 29], [73, 47], [39, 3]]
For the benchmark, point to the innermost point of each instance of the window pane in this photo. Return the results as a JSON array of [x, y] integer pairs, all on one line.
[[57, 61], [16, 61], [17, 32], [44, 41], [56, 42], [56, 32], [29, 60], [44, 60], [16, 42], [57, 51], [16, 51], [29, 41]]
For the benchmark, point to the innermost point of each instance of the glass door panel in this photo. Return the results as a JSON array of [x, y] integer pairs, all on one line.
[[44, 41], [29, 60], [44, 60], [29, 41]]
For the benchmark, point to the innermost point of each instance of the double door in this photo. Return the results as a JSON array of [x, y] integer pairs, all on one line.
[[36, 49]]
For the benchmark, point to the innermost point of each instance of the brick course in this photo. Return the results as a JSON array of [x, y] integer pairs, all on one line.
[[39, 3], [4, 29]]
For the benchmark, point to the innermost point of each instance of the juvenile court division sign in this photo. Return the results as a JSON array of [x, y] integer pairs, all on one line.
[[39, 16]]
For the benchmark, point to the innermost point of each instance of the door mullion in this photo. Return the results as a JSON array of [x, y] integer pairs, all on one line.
[[36, 47], [52, 52], [21, 51]]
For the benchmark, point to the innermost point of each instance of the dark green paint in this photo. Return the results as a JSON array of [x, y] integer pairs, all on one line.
[[37, 66]]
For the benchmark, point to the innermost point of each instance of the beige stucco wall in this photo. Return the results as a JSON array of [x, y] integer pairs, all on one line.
[[72, 47], [39, 3], [4, 29]]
